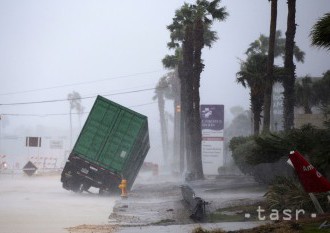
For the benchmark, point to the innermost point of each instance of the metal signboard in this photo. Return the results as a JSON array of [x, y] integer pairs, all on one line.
[[212, 117]]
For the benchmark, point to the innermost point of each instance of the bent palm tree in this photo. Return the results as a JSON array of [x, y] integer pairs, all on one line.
[[161, 107]]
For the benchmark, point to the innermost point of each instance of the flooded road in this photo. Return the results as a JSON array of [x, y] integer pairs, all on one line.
[[39, 204]]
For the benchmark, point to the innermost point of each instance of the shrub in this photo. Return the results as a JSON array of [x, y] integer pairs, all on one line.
[[242, 147], [287, 193], [312, 142]]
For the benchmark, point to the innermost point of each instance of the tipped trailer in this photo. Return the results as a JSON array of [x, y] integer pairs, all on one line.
[[111, 146]]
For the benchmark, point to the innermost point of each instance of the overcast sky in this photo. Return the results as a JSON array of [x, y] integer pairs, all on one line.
[[50, 48]]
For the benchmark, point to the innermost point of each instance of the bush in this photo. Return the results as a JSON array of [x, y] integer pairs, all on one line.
[[243, 148], [287, 193], [312, 142]]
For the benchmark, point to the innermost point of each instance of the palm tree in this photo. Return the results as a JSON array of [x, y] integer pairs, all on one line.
[[168, 88], [160, 93], [252, 75], [270, 67], [204, 15], [191, 30], [74, 99], [304, 94], [260, 46], [174, 62], [178, 32], [289, 67], [320, 33], [262, 43]]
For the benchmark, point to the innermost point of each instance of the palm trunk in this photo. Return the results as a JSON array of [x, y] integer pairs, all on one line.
[[182, 116], [163, 128], [256, 113], [256, 124], [289, 66], [270, 68], [70, 128], [198, 68], [177, 113], [188, 75]]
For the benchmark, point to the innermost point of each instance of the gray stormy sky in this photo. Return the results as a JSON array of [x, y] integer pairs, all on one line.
[[106, 47]]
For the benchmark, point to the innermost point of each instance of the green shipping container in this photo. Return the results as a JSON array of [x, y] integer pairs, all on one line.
[[112, 144]]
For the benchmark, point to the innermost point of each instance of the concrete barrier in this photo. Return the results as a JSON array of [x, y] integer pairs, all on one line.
[[195, 204]]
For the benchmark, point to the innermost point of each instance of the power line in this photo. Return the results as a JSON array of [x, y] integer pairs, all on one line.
[[64, 114], [87, 97], [80, 83]]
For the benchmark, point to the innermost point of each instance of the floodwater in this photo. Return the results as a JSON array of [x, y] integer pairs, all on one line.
[[39, 204]]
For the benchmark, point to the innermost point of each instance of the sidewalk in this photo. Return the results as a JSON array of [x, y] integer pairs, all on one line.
[[156, 204]]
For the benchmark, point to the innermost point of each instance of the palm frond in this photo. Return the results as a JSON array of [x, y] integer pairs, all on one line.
[[320, 33]]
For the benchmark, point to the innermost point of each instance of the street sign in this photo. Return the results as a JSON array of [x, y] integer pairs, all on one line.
[[29, 168]]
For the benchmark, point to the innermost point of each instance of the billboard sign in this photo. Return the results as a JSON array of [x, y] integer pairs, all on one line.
[[212, 124]]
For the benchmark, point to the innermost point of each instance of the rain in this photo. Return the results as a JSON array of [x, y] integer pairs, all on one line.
[[57, 57]]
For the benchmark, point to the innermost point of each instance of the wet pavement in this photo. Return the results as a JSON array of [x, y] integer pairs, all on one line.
[[39, 204], [157, 205], [229, 226]]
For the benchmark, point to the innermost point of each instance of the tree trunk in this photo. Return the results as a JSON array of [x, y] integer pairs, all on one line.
[[270, 68], [70, 128], [187, 47], [163, 126], [176, 130], [289, 66], [198, 68], [256, 113], [182, 116], [256, 124]]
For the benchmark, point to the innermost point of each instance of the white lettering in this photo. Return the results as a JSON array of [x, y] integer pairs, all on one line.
[[274, 216], [308, 168], [287, 213], [298, 212], [259, 210]]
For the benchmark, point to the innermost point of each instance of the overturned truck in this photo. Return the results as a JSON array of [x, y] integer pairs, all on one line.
[[112, 145]]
